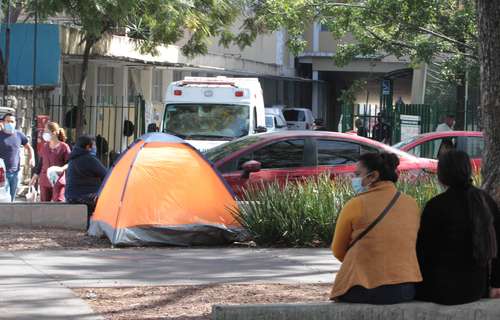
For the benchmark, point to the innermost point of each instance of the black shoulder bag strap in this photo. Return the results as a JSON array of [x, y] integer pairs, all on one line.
[[377, 220]]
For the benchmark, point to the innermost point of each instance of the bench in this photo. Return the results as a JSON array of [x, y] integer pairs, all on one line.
[[481, 310], [58, 215]]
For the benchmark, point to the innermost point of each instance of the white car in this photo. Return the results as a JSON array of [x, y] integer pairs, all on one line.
[[275, 121], [299, 118]]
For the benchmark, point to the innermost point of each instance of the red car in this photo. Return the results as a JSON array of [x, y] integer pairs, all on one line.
[[292, 155], [430, 145]]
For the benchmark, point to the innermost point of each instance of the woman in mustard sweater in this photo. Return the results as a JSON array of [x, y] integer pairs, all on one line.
[[382, 266]]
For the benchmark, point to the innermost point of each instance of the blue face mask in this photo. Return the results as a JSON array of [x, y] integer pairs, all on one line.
[[9, 128], [93, 151], [357, 184]]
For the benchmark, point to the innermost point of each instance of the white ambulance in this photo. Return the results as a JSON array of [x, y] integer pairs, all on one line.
[[208, 111]]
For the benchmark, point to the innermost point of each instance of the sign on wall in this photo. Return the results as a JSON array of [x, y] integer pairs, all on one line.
[[410, 126]]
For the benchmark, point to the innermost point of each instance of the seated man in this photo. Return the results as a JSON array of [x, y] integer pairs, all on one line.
[[85, 175]]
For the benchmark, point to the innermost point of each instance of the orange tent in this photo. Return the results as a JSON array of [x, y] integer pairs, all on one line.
[[163, 191]]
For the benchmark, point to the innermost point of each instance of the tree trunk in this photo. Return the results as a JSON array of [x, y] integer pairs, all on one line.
[[80, 114], [460, 104], [489, 47]]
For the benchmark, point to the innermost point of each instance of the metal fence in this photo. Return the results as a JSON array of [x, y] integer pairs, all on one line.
[[115, 121], [405, 118]]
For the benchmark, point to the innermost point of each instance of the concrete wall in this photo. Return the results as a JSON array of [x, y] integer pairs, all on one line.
[[58, 215]]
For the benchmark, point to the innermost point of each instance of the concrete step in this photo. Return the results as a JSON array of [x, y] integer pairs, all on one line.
[[482, 310]]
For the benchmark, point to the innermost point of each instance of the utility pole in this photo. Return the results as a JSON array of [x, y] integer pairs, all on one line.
[[33, 90], [7, 56]]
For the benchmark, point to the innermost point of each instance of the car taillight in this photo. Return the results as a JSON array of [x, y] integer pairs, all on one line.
[[238, 94], [177, 92], [2, 176]]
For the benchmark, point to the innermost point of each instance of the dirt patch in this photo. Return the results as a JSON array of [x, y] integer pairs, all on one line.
[[192, 302], [18, 239]]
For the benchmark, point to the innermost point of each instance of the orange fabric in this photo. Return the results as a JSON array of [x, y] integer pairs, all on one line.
[[169, 184]]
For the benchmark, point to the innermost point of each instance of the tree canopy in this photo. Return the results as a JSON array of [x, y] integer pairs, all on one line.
[[441, 33]]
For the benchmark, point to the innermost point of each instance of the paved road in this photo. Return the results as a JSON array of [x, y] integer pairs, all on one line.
[[27, 276]]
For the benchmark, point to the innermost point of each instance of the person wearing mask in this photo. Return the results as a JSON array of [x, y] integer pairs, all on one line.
[[382, 131], [361, 129], [11, 142], [85, 175], [375, 237], [54, 155], [447, 124], [458, 238]]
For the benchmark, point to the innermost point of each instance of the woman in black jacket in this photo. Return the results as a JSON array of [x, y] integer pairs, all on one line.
[[458, 238], [85, 175]]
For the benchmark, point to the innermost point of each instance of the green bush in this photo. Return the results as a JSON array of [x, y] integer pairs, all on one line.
[[304, 213]]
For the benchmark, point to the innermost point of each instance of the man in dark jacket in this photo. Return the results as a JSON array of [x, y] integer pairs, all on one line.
[[84, 175]]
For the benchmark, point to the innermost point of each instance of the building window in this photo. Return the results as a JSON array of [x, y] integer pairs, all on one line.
[[157, 85], [177, 75], [134, 85], [71, 77], [105, 85]]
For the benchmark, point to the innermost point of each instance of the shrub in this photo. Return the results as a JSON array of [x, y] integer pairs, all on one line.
[[304, 213]]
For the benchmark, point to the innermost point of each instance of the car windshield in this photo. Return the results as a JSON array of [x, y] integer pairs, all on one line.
[[294, 115], [403, 143], [219, 152], [269, 122], [206, 121]]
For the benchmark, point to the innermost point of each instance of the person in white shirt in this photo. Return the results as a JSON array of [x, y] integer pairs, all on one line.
[[447, 124]]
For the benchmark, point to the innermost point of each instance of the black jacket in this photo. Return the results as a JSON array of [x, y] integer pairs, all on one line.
[[444, 248], [84, 175]]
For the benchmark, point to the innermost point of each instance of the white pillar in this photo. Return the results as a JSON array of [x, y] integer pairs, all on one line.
[[315, 94], [147, 84], [315, 39], [418, 84]]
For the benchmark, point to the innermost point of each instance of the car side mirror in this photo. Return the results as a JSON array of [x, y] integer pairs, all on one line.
[[250, 167], [260, 129]]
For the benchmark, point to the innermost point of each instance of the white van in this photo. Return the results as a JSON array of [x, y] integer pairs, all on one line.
[[275, 121], [208, 111], [299, 118]]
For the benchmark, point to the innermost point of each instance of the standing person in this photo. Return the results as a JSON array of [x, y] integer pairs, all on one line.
[[458, 238], [447, 124], [379, 263], [361, 129], [54, 153], [85, 175], [382, 131], [11, 142]]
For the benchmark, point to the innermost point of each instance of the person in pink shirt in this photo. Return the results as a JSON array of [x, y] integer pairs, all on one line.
[[55, 155]]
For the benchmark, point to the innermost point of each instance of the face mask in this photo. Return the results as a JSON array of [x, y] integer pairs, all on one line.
[[357, 184], [93, 151], [46, 136], [9, 128]]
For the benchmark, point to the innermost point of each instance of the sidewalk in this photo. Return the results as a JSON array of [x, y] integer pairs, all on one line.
[[36, 283], [27, 293]]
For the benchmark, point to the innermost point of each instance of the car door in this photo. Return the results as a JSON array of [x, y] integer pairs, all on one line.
[[281, 161], [339, 157]]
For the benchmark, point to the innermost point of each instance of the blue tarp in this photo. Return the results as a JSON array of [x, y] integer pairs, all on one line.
[[21, 54]]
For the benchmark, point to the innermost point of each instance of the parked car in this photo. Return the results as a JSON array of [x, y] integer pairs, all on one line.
[[295, 155], [275, 121], [431, 145], [299, 118]]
